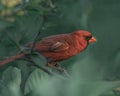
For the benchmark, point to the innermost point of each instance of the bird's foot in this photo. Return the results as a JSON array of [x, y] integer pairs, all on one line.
[[58, 68]]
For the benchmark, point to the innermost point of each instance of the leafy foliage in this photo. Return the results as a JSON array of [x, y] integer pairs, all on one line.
[[94, 72], [10, 83]]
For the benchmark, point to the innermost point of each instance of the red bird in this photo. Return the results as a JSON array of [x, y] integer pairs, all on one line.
[[59, 47]]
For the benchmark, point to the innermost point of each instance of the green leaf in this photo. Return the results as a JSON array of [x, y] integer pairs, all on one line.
[[12, 74], [35, 82], [10, 83], [3, 25], [39, 59], [95, 88]]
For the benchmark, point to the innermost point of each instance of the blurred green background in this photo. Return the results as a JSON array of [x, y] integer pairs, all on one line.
[[94, 72]]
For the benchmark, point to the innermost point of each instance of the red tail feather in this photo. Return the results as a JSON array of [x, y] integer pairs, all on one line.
[[18, 56]]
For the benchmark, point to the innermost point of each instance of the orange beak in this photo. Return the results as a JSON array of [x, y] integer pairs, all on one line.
[[93, 39]]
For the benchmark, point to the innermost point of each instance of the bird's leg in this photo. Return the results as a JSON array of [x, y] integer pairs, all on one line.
[[62, 70], [56, 66]]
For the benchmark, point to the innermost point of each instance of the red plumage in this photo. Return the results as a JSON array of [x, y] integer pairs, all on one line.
[[59, 47]]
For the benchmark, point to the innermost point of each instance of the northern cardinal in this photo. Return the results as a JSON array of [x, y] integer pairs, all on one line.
[[58, 47]]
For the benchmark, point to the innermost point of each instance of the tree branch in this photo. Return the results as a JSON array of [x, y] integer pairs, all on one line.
[[16, 44], [51, 4], [38, 66], [38, 34]]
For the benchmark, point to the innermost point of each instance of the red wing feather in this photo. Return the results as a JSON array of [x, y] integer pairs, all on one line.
[[59, 46]]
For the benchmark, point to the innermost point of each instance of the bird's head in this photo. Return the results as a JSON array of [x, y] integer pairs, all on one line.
[[85, 35]]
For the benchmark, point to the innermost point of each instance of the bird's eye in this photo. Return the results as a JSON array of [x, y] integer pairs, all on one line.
[[88, 37]]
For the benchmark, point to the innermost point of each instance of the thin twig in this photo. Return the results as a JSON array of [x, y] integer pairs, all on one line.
[[42, 26], [62, 70], [51, 4], [16, 44], [37, 35], [42, 68], [38, 66]]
